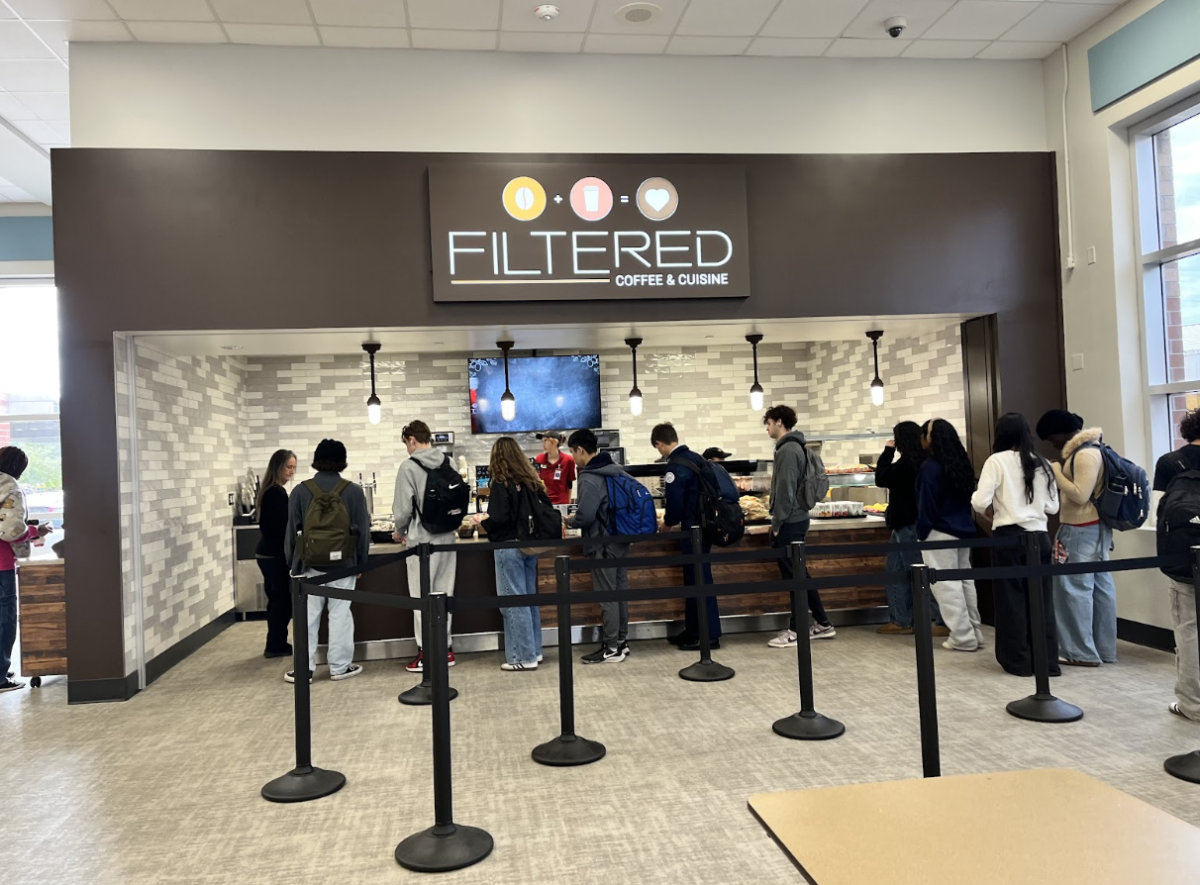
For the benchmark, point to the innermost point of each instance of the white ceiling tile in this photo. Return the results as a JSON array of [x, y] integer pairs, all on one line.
[[17, 42], [177, 32], [47, 105], [16, 195], [273, 35], [4, 199], [263, 12], [6, 183], [63, 128], [626, 44], [517, 15], [514, 41], [466, 15], [35, 75], [62, 9], [852, 48], [604, 21], [12, 109], [926, 48], [453, 39], [921, 14], [707, 45], [359, 13], [366, 38], [39, 131], [789, 46], [812, 18], [1058, 22], [721, 18], [81, 32], [163, 10], [979, 19], [1017, 50]]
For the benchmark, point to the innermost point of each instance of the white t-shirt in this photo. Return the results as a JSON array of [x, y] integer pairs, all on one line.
[[1002, 487]]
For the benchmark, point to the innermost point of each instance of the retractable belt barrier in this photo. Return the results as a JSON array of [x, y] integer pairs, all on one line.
[[449, 846]]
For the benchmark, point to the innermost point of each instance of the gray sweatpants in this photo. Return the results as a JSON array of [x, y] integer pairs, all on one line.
[[1187, 657], [442, 569], [614, 616]]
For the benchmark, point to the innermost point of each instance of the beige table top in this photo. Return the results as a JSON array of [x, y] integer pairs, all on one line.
[[1050, 826]]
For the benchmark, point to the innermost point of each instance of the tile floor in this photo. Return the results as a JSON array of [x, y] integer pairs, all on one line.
[[164, 788]]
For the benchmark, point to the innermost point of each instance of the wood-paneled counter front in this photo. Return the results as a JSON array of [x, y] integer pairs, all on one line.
[[476, 576], [42, 595]]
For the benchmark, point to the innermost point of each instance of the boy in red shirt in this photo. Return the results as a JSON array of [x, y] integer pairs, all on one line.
[[556, 469]]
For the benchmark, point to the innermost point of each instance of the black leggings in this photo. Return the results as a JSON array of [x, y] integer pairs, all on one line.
[[788, 534], [278, 585]]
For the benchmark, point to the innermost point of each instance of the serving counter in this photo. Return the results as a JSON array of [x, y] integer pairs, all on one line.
[[378, 630]]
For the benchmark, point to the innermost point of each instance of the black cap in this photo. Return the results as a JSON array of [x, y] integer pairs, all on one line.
[[1058, 421], [551, 434], [330, 450], [714, 452]]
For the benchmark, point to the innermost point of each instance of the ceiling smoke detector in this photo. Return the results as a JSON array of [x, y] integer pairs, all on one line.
[[638, 13], [547, 12]]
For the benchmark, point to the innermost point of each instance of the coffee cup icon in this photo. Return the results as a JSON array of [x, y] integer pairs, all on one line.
[[591, 198]]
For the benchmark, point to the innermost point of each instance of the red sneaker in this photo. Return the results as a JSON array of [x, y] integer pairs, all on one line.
[[450, 658], [415, 666]]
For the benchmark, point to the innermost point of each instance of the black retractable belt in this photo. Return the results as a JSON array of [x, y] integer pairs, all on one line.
[[304, 782], [422, 695], [808, 724], [1187, 766]]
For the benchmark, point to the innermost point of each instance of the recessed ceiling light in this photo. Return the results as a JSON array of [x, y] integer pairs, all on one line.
[[638, 13], [547, 12]]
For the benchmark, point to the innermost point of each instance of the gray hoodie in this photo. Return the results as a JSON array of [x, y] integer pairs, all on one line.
[[790, 464], [410, 487], [591, 514]]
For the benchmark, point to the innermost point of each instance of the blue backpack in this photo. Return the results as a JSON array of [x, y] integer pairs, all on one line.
[[725, 485], [630, 507], [1123, 501]]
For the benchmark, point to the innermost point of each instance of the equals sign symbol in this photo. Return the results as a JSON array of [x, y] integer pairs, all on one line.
[[624, 199]]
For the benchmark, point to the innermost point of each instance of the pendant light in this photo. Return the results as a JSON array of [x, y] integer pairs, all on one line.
[[508, 402], [876, 382], [374, 406], [756, 391], [635, 395]]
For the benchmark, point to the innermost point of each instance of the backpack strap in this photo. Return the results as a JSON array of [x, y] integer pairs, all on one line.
[[311, 485], [341, 486], [803, 448]]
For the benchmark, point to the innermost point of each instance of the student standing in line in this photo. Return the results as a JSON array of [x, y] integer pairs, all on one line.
[[1085, 606], [15, 534], [1017, 486], [1171, 466], [899, 477], [945, 484], [345, 543], [512, 480], [556, 469], [272, 508]]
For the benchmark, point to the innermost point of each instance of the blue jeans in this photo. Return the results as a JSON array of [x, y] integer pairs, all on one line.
[[8, 619], [339, 653], [516, 575], [899, 595], [1086, 605]]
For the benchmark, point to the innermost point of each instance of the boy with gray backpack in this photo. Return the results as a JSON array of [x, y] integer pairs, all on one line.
[[328, 529]]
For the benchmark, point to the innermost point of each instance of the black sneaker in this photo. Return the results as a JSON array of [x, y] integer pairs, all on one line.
[[9, 685], [290, 676], [682, 638], [285, 652], [604, 655], [694, 645], [624, 648]]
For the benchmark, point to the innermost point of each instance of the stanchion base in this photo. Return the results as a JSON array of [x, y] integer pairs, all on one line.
[[810, 726], [421, 696], [444, 848], [1045, 708], [301, 785], [567, 750], [1185, 767], [706, 671]]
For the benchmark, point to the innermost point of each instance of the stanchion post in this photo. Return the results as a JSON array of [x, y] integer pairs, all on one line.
[[705, 669], [931, 755], [1186, 766], [1042, 706], [446, 845], [568, 748], [422, 695], [808, 724], [304, 782]]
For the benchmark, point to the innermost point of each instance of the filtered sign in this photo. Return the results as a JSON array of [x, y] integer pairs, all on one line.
[[575, 232]]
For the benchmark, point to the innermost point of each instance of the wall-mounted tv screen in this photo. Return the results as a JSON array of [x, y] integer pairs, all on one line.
[[553, 393]]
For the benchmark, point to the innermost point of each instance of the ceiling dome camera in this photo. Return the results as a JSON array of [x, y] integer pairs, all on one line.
[[895, 26]]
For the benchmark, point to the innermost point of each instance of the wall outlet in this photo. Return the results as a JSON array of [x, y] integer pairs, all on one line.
[[231, 499], [1077, 362], [1091, 254]]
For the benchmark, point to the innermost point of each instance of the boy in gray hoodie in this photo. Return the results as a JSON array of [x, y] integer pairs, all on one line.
[[592, 516], [410, 488]]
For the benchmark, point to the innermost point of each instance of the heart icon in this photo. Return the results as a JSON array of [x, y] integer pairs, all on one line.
[[657, 198]]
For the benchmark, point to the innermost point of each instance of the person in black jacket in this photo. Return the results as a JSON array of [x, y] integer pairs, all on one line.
[[272, 510], [900, 479]]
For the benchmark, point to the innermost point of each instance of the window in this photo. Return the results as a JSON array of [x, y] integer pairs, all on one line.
[[1167, 160], [29, 384]]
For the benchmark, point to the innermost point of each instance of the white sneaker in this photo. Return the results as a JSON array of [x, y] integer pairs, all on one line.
[[352, 670], [517, 666], [785, 639], [816, 631]]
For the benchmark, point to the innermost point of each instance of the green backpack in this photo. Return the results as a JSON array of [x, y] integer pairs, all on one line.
[[327, 541]]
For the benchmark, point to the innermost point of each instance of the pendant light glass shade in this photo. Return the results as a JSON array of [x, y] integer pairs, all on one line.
[[876, 382], [508, 402], [756, 396], [374, 406], [877, 392], [756, 389]]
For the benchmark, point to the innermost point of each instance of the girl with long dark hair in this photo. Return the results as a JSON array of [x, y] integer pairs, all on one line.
[[945, 484], [272, 507], [1018, 487]]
